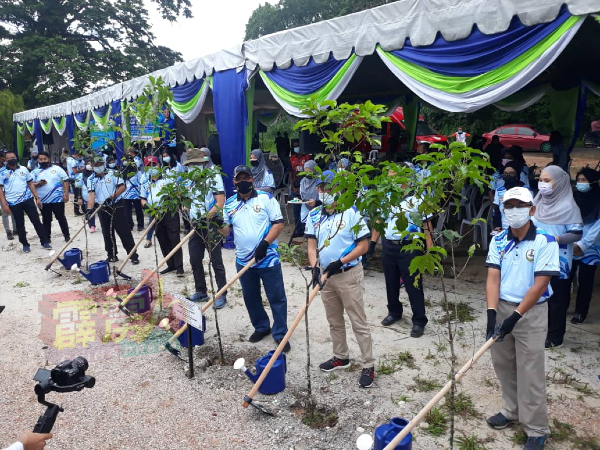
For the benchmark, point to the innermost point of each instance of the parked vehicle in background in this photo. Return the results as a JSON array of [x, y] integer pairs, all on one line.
[[591, 139], [525, 136]]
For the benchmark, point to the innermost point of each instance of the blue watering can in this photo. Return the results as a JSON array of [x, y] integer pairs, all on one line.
[[274, 381], [142, 299], [71, 257], [99, 273], [384, 434], [197, 335]]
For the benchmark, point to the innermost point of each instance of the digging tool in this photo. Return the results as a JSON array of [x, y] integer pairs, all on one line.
[[144, 234], [417, 419], [248, 398], [53, 260], [122, 305], [208, 304]]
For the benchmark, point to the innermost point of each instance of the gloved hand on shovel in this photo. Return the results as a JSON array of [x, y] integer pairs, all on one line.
[[334, 267], [316, 276], [507, 326], [491, 323], [261, 250]]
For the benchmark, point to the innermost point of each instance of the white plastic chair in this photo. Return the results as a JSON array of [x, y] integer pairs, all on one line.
[[280, 196], [480, 227]]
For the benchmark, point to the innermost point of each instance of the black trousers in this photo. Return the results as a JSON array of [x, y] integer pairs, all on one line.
[[206, 237], [558, 304], [58, 210], [28, 207], [167, 233], [585, 280], [395, 266], [130, 205], [113, 219]]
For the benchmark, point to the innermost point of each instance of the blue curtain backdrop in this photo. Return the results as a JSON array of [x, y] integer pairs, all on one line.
[[306, 79], [229, 103], [116, 116], [70, 125], [185, 92], [37, 130], [479, 53], [81, 116], [101, 112]]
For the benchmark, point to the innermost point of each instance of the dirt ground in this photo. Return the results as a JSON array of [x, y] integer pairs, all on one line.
[[147, 402], [581, 157]]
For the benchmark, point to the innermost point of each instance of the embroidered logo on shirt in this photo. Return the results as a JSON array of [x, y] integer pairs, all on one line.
[[530, 254], [257, 208], [108, 181]]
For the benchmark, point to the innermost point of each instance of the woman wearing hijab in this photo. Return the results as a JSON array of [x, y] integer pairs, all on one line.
[[275, 165], [558, 214], [263, 178], [342, 164], [170, 162], [587, 250], [515, 153], [511, 180]]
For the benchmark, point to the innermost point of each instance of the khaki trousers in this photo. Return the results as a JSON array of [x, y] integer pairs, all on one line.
[[519, 362], [344, 291]]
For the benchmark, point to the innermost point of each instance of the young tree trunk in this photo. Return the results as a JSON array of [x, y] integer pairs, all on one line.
[[307, 335], [212, 288]]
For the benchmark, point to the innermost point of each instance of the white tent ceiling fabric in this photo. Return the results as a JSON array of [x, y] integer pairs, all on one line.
[[388, 25]]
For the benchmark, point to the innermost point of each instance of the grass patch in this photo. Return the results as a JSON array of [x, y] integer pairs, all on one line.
[[423, 385], [438, 422], [519, 438], [404, 359], [463, 405], [331, 377], [461, 312], [587, 443], [560, 431], [401, 398], [21, 284], [319, 418], [385, 368], [469, 443]]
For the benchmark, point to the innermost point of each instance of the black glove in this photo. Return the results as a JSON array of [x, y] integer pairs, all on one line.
[[316, 276], [218, 221], [261, 250], [507, 326], [88, 215], [334, 267], [108, 201], [491, 323], [371, 250]]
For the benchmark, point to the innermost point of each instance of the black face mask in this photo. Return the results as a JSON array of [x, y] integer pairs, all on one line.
[[509, 177], [244, 187], [254, 163], [35, 158], [11, 163], [44, 165]]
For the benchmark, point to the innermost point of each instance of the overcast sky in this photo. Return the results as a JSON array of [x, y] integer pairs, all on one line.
[[215, 26]]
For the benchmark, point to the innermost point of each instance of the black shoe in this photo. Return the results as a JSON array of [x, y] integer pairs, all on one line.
[[334, 363], [535, 443], [112, 259], [10, 236], [135, 261], [2, 309], [67, 238], [550, 344], [577, 318], [180, 272], [417, 331], [140, 228], [167, 270], [286, 348], [258, 336], [390, 320], [499, 421], [366, 377]]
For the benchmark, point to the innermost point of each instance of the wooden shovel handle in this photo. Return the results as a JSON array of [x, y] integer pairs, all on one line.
[[429, 406], [284, 341], [53, 260], [136, 245], [159, 265], [217, 295]]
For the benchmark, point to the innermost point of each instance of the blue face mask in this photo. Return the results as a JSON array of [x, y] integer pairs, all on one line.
[[296, 149], [153, 171], [112, 165], [167, 159], [583, 187]]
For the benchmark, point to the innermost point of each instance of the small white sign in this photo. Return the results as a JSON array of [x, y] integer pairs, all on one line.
[[188, 311]]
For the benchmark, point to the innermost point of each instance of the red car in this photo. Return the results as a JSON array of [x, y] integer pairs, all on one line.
[[524, 136]]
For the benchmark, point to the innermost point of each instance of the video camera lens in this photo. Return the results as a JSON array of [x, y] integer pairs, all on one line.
[[80, 363]]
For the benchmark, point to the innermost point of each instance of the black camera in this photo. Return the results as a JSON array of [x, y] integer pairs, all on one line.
[[68, 376]]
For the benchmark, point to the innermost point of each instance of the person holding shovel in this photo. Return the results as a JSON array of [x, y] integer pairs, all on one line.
[[257, 222], [335, 244], [521, 261]]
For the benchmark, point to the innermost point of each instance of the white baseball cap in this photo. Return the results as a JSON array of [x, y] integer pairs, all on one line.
[[518, 193]]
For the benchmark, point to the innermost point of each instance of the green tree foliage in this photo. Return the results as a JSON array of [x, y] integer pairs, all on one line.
[[53, 51], [9, 104], [285, 14]]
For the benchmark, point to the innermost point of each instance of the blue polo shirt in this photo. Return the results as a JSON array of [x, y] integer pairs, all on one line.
[[565, 251], [73, 163], [336, 234], [252, 220], [151, 190], [410, 205], [105, 186], [200, 206], [520, 262], [132, 183], [81, 183], [52, 191], [590, 244], [14, 183]]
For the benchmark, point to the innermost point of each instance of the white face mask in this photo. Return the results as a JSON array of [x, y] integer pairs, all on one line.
[[167, 159], [325, 198], [112, 165], [545, 188], [89, 167], [99, 169], [505, 161], [517, 217]]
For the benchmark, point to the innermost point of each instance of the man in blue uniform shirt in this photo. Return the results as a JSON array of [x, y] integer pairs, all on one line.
[[17, 198], [521, 261], [257, 222], [75, 165], [52, 184]]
